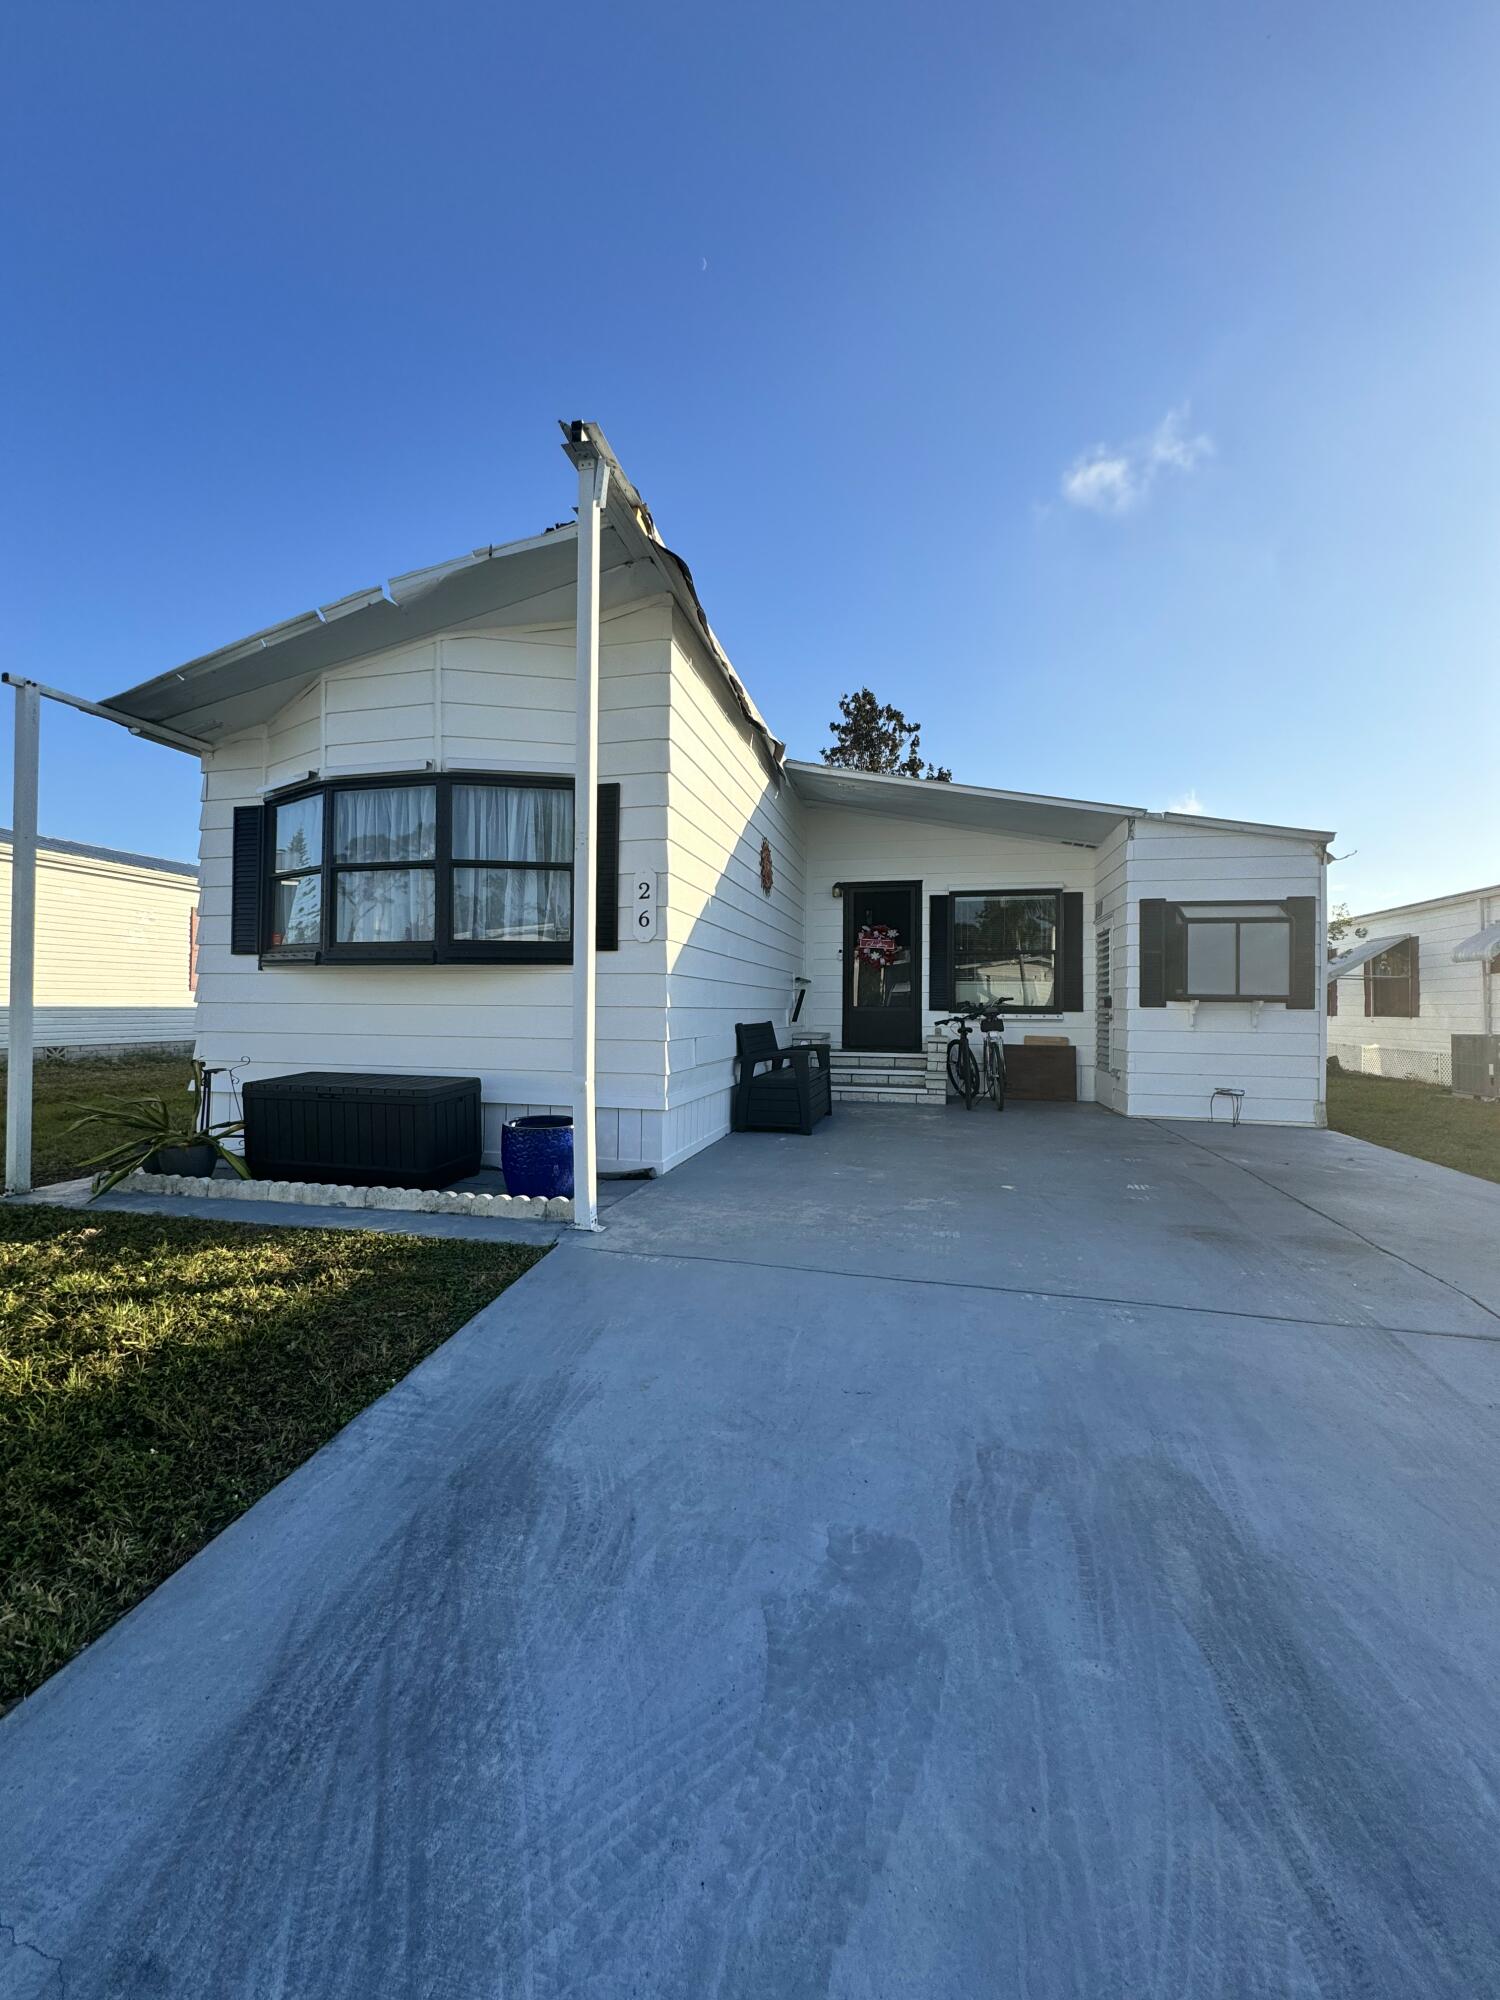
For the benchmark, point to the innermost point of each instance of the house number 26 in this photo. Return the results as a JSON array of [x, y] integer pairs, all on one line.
[[640, 901]]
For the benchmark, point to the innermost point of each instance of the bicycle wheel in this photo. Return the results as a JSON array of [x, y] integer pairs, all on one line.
[[994, 1074], [963, 1072]]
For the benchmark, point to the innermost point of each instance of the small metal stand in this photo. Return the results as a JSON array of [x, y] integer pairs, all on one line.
[[1236, 1099]]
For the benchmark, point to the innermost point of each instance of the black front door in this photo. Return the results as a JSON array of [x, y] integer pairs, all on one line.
[[882, 965]]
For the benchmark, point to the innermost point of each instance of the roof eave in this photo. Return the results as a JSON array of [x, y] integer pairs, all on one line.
[[400, 590], [955, 790], [1321, 836]]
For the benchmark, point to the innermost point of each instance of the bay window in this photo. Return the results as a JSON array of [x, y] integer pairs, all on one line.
[[433, 869]]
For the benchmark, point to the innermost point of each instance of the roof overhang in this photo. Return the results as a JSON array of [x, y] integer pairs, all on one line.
[[1362, 953], [513, 583], [1029, 815], [249, 681], [1483, 946]]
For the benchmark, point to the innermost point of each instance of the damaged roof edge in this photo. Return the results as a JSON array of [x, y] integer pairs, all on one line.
[[624, 504]]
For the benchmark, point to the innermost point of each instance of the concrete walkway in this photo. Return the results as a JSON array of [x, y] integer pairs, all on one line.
[[950, 1556]]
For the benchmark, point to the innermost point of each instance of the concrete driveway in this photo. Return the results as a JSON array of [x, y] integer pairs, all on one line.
[[949, 1556]]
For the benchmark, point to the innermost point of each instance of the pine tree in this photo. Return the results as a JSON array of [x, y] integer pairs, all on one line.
[[870, 737]]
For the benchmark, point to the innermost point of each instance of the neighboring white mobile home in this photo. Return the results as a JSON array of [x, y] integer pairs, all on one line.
[[1413, 992], [387, 875], [115, 948]]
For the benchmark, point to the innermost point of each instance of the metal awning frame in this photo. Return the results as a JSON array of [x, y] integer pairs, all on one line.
[[1483, 946], [1363, 952]]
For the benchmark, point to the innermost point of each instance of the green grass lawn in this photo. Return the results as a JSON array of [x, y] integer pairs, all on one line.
[[61, 1087], [158, 1375], [1418, 1118]]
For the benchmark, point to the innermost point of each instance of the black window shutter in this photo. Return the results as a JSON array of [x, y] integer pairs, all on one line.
[[939, 952], [1415, 948], [1303, 986], [245, 879], [1070, 973], [1153, 951], [607, 870]]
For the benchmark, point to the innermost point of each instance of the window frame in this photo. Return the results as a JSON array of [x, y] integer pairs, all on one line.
[[1379, 985], [1054, 1006], [443, 948], [1181, 914]]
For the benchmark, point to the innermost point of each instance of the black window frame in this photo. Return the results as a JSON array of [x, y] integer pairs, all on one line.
[[1266, 909], [444, 948], [1054, 1006]]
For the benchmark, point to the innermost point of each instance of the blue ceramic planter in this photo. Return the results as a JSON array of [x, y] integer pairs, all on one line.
[[536, 1155]]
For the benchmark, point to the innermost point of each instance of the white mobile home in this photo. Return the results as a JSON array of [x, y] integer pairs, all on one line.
[[388, 870], [1413, 991], [116, 941]]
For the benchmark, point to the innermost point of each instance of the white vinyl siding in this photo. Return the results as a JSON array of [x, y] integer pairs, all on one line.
[[848, 845], [483, 699], [1179, 1054], [112, 951], [1451, 995], [729, 951]]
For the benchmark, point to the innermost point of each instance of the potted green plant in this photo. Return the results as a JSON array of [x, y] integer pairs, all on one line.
[[158, 1137]]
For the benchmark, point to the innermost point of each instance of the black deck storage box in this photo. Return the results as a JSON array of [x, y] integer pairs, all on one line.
[[363, 1131]]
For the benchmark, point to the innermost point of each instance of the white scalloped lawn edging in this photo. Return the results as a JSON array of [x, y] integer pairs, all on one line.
[[320, 1194]]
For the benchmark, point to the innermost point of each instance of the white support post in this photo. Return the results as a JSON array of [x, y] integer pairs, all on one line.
[[22, 939], [593, 487]]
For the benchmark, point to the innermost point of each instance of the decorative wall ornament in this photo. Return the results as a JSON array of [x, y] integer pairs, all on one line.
[[767, 872]]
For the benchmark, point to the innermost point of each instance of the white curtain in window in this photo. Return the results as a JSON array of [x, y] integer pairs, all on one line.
[[387, 823], [512, 905], [385, 906], [512, 823]]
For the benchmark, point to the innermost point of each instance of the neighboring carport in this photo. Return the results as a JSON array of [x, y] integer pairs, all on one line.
[[948, 1555]]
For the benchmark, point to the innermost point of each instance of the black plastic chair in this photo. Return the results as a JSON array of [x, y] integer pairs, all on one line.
[[779, 1090]]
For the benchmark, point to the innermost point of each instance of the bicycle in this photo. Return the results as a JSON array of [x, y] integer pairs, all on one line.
[[964, 1071]]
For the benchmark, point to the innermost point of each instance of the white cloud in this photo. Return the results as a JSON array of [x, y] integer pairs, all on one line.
[[1186, 802], [1116, 479]]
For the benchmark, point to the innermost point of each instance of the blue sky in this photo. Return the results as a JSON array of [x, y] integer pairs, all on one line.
[[1113, 389]]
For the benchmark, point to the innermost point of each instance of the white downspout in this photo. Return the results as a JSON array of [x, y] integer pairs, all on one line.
[[22, 939], [593, 487]]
